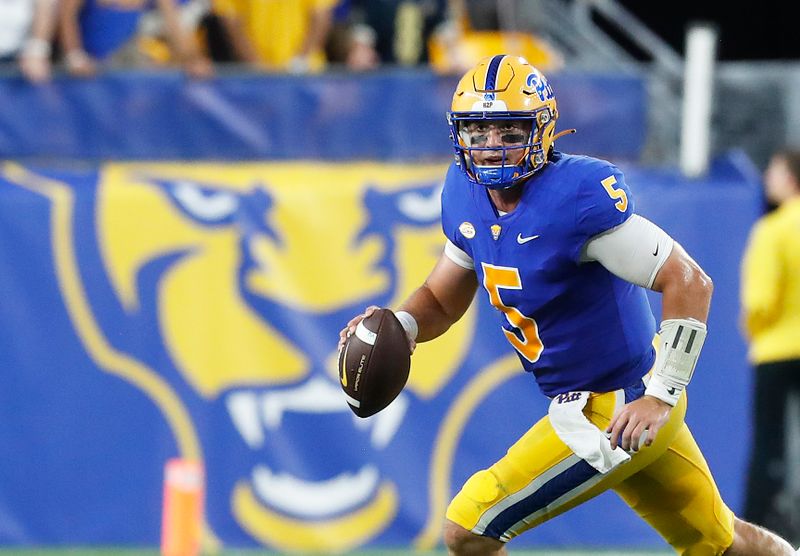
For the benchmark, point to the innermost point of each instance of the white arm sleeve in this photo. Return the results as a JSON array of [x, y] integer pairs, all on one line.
[[635, 250], [458, 256]]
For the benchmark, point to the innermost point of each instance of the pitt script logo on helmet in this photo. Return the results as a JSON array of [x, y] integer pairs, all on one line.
[[503, 89]]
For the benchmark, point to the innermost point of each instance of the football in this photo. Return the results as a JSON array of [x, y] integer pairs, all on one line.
[[374, 363]]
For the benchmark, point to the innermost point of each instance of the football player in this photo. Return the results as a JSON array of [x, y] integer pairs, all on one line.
[[554, 240]]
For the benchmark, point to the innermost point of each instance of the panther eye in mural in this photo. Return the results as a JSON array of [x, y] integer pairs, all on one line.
[[221, 293]]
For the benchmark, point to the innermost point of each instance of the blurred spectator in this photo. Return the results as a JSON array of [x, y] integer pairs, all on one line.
[[106, 30], [279, 35], [506, 15], [152, 36], [375, 32], [771, 321], [481, 28], [26, 31]]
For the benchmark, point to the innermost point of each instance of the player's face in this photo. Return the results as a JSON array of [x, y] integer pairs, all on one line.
[[486, 134]]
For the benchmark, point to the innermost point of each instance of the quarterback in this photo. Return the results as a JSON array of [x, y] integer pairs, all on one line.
[[555, 242]]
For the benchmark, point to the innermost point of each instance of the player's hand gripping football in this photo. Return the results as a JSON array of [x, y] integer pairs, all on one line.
[[348, 330], [638, 421]]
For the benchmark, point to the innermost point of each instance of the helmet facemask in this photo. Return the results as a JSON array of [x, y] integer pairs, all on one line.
[[516, 150]]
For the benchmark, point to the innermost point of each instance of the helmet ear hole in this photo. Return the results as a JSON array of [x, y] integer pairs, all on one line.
[[543, 117]]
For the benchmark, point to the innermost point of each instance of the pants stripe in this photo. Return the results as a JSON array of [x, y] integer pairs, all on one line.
[[542, 496]]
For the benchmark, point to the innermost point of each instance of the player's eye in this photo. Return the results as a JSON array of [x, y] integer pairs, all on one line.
[[477, 126]]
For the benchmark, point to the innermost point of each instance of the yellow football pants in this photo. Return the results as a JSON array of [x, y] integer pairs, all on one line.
[[668, 484]]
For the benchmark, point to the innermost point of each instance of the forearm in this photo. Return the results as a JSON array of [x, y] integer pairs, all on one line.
[[685, 289], [692, 300], [686, 296], [433, 319], [442, 299]]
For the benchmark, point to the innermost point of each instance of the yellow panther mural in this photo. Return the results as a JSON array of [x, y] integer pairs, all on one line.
[[235, 279]]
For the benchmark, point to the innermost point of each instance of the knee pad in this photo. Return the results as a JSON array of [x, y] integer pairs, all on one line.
[[477, 494], [482, 487]]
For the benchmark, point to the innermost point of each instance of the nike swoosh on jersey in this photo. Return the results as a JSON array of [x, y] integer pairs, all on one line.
[[522, 240]]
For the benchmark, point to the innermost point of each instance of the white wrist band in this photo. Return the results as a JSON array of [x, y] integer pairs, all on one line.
[[409, 323], [681, 342]]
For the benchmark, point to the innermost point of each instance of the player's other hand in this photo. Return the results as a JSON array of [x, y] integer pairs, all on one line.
[[644, 416], [350, 328]]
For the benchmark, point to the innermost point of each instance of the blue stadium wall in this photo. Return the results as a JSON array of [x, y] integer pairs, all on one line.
[[177, 258]]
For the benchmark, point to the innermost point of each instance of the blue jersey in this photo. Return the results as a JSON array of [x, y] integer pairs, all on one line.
[[574, 325]]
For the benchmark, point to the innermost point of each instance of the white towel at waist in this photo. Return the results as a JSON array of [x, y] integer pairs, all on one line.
[[581, 436]]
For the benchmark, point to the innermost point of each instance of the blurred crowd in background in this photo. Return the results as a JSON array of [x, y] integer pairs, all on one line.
[[84, 37]]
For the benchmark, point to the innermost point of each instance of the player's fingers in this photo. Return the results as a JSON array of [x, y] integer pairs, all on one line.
[[627, 434], [342, 338], [351, 326], [619, 413], [412, 345], [352, 323], [369, 310], [619, 423], [638, 437], [652, 431], [613, 421], [350, 329], [610, 430]]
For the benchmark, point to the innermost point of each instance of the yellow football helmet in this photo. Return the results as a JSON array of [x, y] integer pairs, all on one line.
[[509, 91]]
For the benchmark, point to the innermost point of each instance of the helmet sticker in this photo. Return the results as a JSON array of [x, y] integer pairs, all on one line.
[[539, 83]]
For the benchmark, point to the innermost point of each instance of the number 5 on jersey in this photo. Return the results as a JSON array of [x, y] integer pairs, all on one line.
[[618, 194], [496, 278]]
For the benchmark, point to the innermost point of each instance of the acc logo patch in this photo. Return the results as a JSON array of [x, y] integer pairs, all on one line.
[[467, 230]]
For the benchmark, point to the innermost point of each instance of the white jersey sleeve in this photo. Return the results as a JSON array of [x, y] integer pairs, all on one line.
[[458, 256], [635, 250]]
